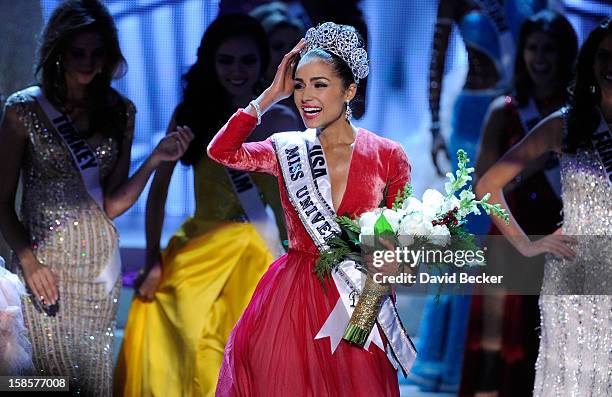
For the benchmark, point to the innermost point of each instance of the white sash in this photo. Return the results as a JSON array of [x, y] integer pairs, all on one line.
[[530, 116], [602, 143], [87, 164], [308, 187], [260, 215]]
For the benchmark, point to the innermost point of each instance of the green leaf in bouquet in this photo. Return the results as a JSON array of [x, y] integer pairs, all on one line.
[[463, 174], [407, 191], [397, 203], [329, 259], [337, 242], [461, 239], [381, 226], [496, 209], [353, 238], [348, 225], [402, 195]]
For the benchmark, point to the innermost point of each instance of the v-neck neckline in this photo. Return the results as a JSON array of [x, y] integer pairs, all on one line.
[[348, 176]]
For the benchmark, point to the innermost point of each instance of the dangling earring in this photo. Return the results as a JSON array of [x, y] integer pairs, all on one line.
[[593, 89], [349, 112], [58, 66]]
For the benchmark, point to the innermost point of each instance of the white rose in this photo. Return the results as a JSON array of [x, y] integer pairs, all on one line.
[[412, 204], [415, 225], [366, 223], [368, 219], [440, 235], [433, 201]]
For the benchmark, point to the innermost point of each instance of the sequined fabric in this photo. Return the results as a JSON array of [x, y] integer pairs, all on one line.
[[71, 235], [575, 357]]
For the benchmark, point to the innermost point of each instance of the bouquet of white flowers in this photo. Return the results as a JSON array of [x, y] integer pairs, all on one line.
[[437, 220]]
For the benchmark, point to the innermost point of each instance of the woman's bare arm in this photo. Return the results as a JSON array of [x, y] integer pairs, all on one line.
[[545, 137], [13, 142]]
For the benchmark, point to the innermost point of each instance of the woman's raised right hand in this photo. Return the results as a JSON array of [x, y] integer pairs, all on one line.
[[42, 282], [282, 85]]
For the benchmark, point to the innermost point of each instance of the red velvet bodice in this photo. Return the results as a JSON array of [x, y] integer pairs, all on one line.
[[375, 161]]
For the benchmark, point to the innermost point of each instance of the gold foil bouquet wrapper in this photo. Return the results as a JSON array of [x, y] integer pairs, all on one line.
[[366, 311]]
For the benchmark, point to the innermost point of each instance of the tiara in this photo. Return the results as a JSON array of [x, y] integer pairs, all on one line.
[[340, 40]]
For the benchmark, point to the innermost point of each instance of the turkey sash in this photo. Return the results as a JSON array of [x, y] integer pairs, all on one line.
[[529, 115], [259, 214], [602, 143], [87, 163], [306, 180]]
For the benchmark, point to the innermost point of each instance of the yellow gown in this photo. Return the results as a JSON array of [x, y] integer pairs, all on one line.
[[173, 346]]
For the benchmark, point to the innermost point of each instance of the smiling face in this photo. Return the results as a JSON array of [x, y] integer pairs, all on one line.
[[541, 55], [602, 67], [319, 93], [238, 66], [83, 58]]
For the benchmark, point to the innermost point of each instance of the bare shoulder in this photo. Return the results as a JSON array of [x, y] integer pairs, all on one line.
[[130, 107], [19, 99], [16, 109], [499, 104], [549, 132], [496, 116]]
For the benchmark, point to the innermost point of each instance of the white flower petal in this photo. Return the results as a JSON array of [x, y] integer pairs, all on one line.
[[412, 204], [440, 235]]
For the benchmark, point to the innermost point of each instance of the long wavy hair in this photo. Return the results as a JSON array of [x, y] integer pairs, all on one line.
[[561, 31], [206, 105], [107, 109], [585, 94]]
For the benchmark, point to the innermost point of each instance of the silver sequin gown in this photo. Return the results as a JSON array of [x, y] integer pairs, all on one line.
[[73, 236], [575, 357]]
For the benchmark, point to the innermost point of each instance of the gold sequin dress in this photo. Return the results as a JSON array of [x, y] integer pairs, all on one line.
[[575, 357], [71, 235]]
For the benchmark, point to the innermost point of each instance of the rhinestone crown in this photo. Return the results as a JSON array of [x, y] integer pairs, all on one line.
[[343, 41]]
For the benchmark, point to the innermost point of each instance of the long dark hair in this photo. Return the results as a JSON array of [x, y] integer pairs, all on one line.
[[107, 109], [206, 105], [562, 32], [583, 115]]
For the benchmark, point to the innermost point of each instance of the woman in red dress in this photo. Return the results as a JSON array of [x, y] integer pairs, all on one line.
[[272, 350]]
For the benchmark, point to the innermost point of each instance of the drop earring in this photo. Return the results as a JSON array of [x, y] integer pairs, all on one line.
[[349, 112]]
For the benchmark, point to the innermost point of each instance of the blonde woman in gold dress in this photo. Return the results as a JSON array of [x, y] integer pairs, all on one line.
[[74, 169], [192, 294]]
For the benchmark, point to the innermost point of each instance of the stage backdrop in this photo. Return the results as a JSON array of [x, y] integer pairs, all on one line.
[[159, 39]]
